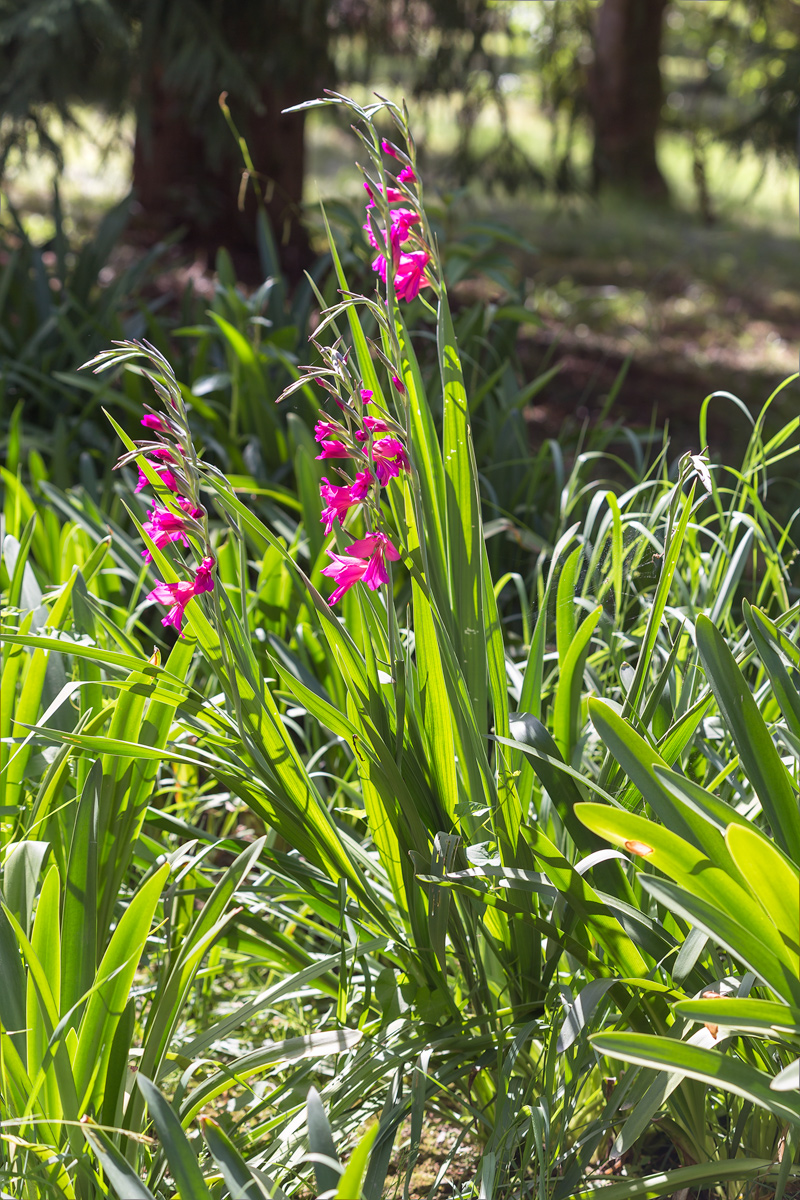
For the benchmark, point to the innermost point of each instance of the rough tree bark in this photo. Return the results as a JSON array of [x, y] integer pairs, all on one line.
[[625, 95], [179, 181]]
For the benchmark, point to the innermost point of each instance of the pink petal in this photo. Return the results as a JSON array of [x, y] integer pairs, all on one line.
[[203, 581], [373, 543], [174, 617], [409, 279], [376, 572], [346, 571], [152, 421], [326, 429], [334, 450]]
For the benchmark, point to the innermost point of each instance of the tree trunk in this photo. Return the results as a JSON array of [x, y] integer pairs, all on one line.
[[625, 97], [180, 180]]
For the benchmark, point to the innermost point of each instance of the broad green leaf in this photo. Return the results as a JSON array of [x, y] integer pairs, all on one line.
[[12, 993], [46, 945], [565, 603], [644, 767], [352, 1178], [436, 703], [464, 527], [562, 788], [764, 1017], [767, 640], [22, 865], [774, 882], [570, 686], [655, 617], [48, 1017], [716, 1068], [321, 1144], [787, 1080], [751, 737], [684, 862], [739, 939], [63, 645], [679, 1181], [106, 1004], [79, 934], [585, 902]]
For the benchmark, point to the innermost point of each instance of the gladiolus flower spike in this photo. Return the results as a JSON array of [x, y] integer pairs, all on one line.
[[408, 268]]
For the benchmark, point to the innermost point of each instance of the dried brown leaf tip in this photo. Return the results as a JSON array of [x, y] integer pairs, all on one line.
[[640, 848], [712, 1029]]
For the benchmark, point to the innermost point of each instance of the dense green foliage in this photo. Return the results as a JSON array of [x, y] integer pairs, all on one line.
[[276, 886]]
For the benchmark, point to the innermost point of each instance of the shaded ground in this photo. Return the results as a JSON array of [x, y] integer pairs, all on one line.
[[696, 308], [673, 388], [443, 1149]]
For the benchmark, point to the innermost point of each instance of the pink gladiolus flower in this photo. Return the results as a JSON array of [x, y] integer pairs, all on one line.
[[398, 385], [373, 241], [203, 581], [409, 279], [340, 500], [379, 266], [163, 473], [334, 450], [163, 526], [364, 560], [407, 175], [187, 507], [392, 195], [373, 424], [152, 421], [402, 220], [326, 429], [178, 595], [389, 456], [366, 396], [388, 148]]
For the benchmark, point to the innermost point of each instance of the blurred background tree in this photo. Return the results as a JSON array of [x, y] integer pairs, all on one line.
[[170, 62], [734, 77], [625, 95]]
